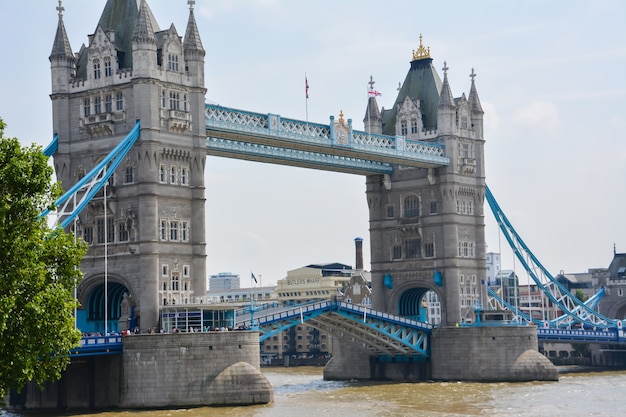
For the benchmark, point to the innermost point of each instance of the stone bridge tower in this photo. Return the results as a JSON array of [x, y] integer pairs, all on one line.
[[427, 225], [152, 226]]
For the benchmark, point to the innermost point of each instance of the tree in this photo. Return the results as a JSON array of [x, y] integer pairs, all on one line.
[[580, 295], [38, 271]]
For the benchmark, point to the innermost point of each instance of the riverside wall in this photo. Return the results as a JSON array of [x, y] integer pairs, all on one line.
[[159, 370]]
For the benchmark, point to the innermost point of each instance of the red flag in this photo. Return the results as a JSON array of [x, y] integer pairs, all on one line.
[[373, 93], [306, 86]]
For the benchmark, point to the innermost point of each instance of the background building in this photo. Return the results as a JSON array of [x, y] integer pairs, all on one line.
[[493, 266], [224, 281]]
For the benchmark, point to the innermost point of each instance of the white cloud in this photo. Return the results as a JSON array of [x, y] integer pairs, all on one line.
[[539, 114]]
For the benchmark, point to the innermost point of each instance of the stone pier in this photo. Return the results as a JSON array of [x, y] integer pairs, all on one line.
[[157, 371], [498, 353]]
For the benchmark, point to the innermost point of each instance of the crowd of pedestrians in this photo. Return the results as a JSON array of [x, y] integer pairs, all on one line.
[[152, 330]]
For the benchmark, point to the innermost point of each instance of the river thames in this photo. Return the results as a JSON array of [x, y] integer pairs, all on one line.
[[301, 392]]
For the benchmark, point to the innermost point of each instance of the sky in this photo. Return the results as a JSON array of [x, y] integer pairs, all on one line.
[[550, 77]]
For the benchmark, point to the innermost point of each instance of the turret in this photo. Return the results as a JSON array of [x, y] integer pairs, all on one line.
[[446, 107], [373, 120], [62, 60], [143, 44], [193, 51], [475, 108]]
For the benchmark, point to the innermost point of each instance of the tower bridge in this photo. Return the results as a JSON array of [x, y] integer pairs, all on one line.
[[129, 113], [422, 162]]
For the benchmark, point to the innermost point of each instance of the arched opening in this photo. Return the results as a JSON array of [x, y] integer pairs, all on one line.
[[420, 304], [620, 312], [91, 318]]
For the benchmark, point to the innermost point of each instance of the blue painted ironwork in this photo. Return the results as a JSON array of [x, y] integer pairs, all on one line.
[[581, 336], [382, 333], [52, 146], [67, 208], [575, 311], [98, 345], [271, 138], [294, 157], [519, 317]]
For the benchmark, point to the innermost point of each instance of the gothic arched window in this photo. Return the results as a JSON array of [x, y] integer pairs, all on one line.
[[107, 67], [411, 206], [96, 69]]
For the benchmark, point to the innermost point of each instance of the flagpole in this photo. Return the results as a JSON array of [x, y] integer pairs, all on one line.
[[306, 90], [106, 277], [251, 300], [369, 125], [75, 267]]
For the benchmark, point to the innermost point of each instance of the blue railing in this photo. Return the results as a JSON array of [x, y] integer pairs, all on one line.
[[98, 345], [580, 335]]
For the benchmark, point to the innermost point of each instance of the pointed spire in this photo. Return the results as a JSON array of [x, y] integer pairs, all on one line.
[[61, 48], [446, 99], [144, 31], [373, 117], [473, 99], [192, 40]]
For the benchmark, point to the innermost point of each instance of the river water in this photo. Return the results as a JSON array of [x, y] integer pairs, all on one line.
[[301, 392]]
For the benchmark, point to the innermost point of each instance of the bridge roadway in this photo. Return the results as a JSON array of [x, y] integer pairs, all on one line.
[[270, 138], [382, 333]]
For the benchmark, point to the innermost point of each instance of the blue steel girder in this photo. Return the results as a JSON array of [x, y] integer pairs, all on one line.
[[70, 204], [272, 328], [381, 333], [275, 321], [241, 149], [581, 335], [375, 335], [496, 302], [98, 345], [52, 146], [574, 310], [231, 133]]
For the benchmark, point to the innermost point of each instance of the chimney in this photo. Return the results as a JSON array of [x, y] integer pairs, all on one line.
[[358, 243]]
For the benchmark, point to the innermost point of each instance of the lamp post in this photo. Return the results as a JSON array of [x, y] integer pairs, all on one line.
[[106, 284]]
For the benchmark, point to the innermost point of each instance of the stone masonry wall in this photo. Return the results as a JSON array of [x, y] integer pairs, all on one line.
[[193, 369], [503, 353]]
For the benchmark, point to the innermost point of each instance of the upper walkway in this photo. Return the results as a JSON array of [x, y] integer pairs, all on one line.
[[335, 147]]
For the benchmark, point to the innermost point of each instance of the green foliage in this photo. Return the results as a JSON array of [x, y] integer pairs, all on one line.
[[580, 295], [38, 271]]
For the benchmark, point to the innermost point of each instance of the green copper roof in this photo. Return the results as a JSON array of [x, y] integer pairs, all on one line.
[[121, 17], [422, 84]]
